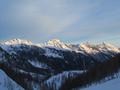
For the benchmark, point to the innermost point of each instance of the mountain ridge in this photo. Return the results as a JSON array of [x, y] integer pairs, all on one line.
[[56, 43]]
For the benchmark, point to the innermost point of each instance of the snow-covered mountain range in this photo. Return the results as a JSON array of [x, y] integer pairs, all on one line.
[[31, 66], [84, 48]]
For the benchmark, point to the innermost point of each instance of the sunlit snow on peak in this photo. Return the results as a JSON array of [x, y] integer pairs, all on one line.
[[17, 41]]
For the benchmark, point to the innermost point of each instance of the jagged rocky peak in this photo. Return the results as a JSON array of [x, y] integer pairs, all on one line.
[[17, 41], [104, 44], [57, 43], [87, 44], [90, 45], [108, 46], [87, 47], [92, 48], [54, 41]]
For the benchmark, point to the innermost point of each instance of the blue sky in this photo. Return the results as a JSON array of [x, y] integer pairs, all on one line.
[[69, 20]]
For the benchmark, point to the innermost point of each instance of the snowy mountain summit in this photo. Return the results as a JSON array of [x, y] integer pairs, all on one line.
[[17, 42], [56, 43]]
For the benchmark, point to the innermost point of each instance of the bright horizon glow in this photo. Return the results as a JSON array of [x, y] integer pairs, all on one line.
[[68, 20]]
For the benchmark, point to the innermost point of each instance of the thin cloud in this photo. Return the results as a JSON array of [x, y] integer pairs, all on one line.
[[64, 19], [32, 15]]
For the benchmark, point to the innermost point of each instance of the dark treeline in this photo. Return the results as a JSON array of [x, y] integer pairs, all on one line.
[[96, 74]]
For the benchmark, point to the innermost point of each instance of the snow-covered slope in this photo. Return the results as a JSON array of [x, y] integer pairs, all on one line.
[[109, 85], [57, 80], [7, 83]]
